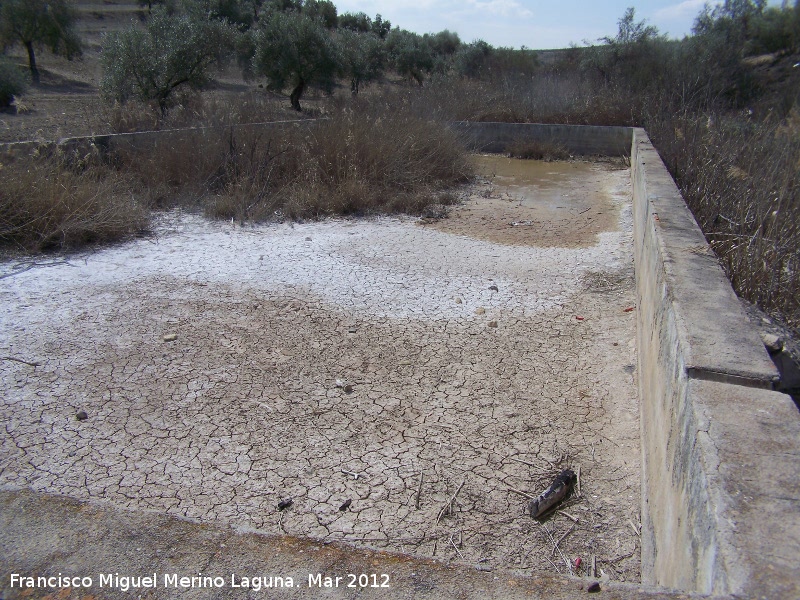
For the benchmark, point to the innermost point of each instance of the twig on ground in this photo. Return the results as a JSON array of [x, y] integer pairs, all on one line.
[[556, 548], [449, 506], [538, 468], [520, 492], [635, 528], [593, 566], [19, 360], [456, 547], [569, 516], [616, 559], [561, 539], [578, 483], [419, 489]]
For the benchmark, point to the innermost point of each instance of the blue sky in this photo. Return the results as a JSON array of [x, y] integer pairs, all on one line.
[[533, 23]]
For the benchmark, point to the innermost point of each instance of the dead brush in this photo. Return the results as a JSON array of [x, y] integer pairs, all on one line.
[[48, 203], [742, 182], [214, 108], [359, 161], [537, 150]]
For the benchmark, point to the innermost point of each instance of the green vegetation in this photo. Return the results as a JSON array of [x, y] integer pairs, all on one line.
[[39, 23], [171, 52], [295, 50]]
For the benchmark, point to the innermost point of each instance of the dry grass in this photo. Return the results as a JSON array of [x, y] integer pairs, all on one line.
[[537, 150], [359, 161], [362, 160], [742, 181], [49, 203]]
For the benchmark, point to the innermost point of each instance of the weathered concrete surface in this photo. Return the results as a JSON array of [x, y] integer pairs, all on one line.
[[721, 480], [48, 535], [578, 139]]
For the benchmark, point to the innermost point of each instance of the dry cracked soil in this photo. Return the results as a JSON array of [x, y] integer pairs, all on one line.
[[407, 384]]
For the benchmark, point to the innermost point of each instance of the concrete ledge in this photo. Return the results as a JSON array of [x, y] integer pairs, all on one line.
[[577, 139], [720, 481], [47, 535]]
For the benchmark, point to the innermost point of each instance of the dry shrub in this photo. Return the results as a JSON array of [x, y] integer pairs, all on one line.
[[361, 160], [51, 203], [564, 98], [742, 181], [213, 108], [537, 150]]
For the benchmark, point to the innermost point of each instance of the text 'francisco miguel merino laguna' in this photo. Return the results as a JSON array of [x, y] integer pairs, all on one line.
[[124, 583]]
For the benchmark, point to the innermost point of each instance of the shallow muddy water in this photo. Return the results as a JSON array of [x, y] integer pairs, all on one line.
[[564, 204]]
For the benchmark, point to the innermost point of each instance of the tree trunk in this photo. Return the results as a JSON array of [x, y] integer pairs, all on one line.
[[296, 93], [32, 62], [354, 86]]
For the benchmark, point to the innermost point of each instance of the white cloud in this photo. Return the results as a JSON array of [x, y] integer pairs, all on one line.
[[687, 8], [440, 8], [502, 8]]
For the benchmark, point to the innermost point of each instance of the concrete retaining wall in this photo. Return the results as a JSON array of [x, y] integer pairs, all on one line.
[[577, 139], [721, 477]]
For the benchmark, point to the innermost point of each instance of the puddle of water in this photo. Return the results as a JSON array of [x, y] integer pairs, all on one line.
[[536, 183], [564, 204]]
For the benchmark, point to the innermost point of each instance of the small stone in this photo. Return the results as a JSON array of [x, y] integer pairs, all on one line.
[[348, 388], [285, 503], [458, 301], [492, 323], [352, 329], [480, 310], [346, 505], [82, 416], [170, 337], [594, 588], [493, 288], [772, 342], [308, 239]]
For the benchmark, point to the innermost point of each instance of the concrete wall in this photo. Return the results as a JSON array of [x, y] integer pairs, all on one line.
[[721, 477], [577, 139]]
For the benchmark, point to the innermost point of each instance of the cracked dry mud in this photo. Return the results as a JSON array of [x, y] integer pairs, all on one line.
[[243, 408]]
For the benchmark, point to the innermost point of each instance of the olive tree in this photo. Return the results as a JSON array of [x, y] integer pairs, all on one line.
[[294, 50], [363, 57], [409, 53], [170, 52], [38, 24]]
